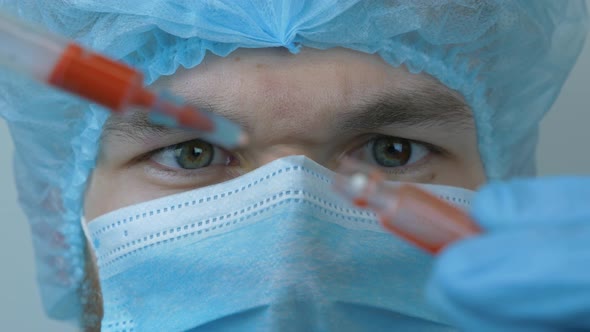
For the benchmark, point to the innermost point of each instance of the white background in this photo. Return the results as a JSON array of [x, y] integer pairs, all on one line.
[[565, 137]]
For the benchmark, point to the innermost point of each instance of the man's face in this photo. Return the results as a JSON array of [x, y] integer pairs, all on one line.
[[325, 105]]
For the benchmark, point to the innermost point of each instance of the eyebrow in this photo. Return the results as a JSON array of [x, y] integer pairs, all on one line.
[[427, 106], [136, 125], [430, 106]]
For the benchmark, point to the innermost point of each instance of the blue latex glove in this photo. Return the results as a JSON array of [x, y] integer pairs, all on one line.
[[530, 270]]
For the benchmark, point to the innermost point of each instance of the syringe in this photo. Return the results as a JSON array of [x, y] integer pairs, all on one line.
[[415, 215], [63, 64]]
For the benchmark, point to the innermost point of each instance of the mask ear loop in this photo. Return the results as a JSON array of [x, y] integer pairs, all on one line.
[[85, 230], [90, 292], [89, 242]]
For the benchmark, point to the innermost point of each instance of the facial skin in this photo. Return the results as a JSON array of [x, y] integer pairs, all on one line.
[[325, 105]]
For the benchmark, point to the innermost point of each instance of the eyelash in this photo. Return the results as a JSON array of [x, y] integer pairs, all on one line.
[[432, 150]]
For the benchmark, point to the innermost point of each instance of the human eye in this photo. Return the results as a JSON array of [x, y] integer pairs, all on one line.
[[191, 155], [395, 155], [190, 164]]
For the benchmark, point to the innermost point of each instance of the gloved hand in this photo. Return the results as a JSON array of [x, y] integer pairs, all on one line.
[[530, 269]]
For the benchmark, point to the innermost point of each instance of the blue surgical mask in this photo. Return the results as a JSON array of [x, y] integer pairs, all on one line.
[[273, 250]]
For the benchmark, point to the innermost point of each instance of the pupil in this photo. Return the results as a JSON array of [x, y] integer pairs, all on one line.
[[194, 154], [394, 149], [391, 151], [197, 152]]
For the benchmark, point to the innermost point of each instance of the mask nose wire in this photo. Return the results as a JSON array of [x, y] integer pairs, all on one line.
[[277, 152]]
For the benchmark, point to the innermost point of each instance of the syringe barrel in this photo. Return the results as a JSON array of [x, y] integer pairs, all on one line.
[[28, 50]]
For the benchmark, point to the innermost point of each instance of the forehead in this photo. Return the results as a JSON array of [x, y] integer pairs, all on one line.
[[274, 79]]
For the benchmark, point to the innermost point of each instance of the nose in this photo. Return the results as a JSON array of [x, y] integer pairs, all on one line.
[[276, 152], [270, 154]]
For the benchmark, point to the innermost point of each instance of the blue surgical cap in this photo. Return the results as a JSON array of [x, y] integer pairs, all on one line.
[[508, 58]]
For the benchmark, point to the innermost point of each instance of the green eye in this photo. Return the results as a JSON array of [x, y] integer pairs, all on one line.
[[194, 154], [391, 151]]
